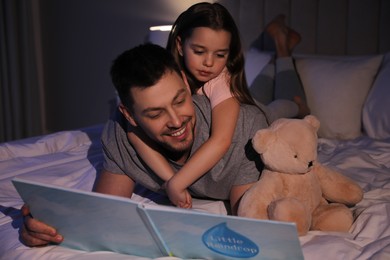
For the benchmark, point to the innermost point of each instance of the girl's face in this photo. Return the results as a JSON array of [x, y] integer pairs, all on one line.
[[205, 53]]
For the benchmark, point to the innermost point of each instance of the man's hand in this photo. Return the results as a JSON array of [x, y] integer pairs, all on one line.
[[36, 233]]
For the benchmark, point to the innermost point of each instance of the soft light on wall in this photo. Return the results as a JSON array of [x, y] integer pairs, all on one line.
[[159, 34]]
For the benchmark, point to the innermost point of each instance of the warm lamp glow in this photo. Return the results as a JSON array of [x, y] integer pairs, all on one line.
[[159, 34], [162, 28]]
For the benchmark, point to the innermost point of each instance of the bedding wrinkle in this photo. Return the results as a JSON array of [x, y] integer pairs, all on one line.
[[377, 250], [70, 159], [36, 164], [11, 212], [372, 233], [341, 245], [52, 143], [364, 159]]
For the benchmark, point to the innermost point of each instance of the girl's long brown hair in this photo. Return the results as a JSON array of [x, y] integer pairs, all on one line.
[[216, 17]]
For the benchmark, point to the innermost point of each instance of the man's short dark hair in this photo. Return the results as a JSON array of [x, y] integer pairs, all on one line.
[[142, 66]]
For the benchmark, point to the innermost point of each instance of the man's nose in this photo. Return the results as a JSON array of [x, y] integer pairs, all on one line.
[[174, 119]]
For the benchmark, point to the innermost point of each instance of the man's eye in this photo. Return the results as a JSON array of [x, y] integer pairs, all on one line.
[[154, 115], [179, 102]]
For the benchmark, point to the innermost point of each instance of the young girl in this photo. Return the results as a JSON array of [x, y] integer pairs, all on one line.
[[206, 44]]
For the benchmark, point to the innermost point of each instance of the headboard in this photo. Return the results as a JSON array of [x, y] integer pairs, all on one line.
[[336, 27]]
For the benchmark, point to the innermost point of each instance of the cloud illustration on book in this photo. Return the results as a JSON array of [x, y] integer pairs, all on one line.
[[223, 240]]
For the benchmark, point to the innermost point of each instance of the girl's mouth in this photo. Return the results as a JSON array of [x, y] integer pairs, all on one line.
[[204, 73]]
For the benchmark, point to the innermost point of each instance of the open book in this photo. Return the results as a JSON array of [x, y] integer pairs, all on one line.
[[94, 222]]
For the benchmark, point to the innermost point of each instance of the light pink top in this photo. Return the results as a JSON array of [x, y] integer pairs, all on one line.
[[217, 89]]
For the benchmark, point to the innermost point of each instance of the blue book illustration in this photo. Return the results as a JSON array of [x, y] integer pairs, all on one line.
[[94, 222]]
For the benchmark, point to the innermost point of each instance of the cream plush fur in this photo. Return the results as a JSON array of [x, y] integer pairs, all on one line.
[[294, 186]]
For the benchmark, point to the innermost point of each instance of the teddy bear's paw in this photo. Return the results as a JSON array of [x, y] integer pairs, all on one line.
[[291, 210], [332, 217]]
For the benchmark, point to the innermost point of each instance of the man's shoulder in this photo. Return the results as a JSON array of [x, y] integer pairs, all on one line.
[[203, 109], [252, 118], [116, 124], [201, 102], [253, 110]]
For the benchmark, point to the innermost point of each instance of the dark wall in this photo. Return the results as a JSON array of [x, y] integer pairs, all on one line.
[[79, 40]]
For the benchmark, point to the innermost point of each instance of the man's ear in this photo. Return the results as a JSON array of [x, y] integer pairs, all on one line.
[[179, 45], [125, 112]]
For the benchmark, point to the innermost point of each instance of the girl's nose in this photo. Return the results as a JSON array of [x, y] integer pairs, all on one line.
[[208, 61]]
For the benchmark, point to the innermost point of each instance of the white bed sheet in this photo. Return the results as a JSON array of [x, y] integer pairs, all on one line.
[[72, 158], [367, 161]]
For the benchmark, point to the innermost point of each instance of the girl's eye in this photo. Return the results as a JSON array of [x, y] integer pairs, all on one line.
[[198, 52], [223, 54]]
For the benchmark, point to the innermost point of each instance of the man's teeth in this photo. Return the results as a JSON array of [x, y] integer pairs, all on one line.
[[179, 132]]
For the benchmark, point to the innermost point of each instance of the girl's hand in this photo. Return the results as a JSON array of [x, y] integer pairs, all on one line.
[[179, 197], [188, 201]]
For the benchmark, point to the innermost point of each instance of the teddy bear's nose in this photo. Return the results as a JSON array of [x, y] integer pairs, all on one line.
[[310, 164]]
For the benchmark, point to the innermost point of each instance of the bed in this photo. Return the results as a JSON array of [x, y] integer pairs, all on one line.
[[349, 94]]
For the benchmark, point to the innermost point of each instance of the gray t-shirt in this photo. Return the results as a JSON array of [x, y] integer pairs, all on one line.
[[240, 165]]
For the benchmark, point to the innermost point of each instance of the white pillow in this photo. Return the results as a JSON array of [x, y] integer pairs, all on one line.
[[336, 89], [376, 110]]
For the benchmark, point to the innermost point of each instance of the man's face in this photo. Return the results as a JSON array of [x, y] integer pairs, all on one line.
[[165, 112]]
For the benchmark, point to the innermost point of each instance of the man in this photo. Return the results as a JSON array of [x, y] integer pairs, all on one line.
[[156, 102]]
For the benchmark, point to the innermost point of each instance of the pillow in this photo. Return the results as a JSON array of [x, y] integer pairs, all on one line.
[[376, 110], [336, 89]]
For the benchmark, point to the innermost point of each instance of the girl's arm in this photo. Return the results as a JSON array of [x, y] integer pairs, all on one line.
[[151, 157], [224, 119], [159, 166]]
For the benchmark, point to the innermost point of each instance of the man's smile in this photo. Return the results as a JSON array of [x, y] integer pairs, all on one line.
[[179, 132]]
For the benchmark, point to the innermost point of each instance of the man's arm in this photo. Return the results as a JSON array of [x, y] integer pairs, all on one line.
[[115, 184], [37, 233], [236, 194]]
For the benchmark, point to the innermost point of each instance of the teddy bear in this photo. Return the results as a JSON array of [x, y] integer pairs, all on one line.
[[293, 185]]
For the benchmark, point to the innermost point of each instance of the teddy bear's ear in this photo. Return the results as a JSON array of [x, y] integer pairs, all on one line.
[[262, 139], [313, 121]]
